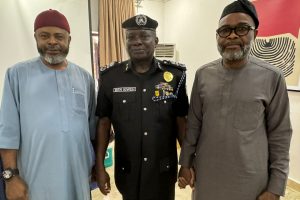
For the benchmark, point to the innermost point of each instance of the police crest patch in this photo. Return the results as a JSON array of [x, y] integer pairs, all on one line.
[[141, 20]]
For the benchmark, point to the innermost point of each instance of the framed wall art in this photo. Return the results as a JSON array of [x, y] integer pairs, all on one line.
[[278, 39]]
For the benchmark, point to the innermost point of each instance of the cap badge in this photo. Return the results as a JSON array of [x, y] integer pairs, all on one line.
[[168, 76], [141, 20]]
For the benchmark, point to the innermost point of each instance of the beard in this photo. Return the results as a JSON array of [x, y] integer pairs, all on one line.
[[234, 55], [53, 59]]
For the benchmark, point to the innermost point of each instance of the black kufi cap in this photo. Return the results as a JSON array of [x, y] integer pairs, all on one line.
[[243, 6], [140, 22]]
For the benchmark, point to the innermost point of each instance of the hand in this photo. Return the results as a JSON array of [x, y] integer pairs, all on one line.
[[193, 179], [268, 196], [186, 177], [103, 181], [16, 189]]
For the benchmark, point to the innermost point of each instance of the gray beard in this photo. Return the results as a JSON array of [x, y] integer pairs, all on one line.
[[234, 55], [53, 60]]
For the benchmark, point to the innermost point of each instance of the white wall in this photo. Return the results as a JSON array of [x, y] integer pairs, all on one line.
[[16, 35], [191, 25], [295, 144]]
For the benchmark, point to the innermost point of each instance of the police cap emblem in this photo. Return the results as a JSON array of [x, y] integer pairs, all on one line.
[[140, 22]]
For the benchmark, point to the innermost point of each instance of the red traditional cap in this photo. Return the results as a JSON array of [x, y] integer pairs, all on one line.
[[51, 18]]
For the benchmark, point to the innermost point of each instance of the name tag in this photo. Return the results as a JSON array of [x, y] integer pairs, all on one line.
[[124, 89]]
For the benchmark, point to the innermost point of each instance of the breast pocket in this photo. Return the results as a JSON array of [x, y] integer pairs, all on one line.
[[124, 104], [247, 114], [79, 102], [165, 108]]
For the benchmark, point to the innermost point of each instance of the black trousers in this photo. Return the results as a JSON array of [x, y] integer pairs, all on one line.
[[165, 195]]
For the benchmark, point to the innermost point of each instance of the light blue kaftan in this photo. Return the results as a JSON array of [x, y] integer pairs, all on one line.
[[48, 115]]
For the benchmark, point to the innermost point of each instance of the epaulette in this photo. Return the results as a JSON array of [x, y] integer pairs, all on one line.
[[106, 68], [174, 64]]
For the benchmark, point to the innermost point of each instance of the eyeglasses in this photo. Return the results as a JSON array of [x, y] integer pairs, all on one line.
[[238, 30]]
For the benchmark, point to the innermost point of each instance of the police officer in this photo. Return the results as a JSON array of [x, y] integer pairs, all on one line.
[[146, 102]]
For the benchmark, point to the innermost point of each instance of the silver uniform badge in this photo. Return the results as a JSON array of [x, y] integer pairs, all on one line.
[[141, 20]]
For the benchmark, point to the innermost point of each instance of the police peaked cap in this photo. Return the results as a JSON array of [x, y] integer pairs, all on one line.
[[140, 22], [243, 6]]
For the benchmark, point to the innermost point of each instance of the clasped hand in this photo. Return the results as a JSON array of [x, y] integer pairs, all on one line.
[[186, 177]]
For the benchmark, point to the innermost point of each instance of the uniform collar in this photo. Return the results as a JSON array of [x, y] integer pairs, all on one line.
[[155, 63]]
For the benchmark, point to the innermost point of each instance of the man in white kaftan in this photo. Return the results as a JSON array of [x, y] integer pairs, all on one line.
[[47, 120]]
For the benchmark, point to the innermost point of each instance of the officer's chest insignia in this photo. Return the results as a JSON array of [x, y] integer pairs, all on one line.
[[168, 76], [124, 89], [162, 91]]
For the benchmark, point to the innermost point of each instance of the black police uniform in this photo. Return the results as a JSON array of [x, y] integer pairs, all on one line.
[[143, 110]]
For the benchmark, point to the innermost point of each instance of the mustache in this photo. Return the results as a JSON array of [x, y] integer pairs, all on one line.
[[232, 43], [137, 48], [53, 47]]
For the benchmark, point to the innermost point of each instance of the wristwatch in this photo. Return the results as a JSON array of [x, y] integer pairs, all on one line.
[[9, 173]]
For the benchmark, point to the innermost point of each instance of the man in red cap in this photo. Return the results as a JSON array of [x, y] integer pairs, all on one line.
[[47, 120]]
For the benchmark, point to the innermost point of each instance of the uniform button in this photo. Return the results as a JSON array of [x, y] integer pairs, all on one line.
[[144, 90], [145, 159], [145, 109], [124, 101], [145, 133], [165, 101], [168, 166], [123, 168]]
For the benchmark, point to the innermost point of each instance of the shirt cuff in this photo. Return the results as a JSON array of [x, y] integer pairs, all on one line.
[[277, 185]]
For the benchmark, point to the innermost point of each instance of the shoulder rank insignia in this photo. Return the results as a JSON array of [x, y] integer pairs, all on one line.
[[106, 67], [174, 64]]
